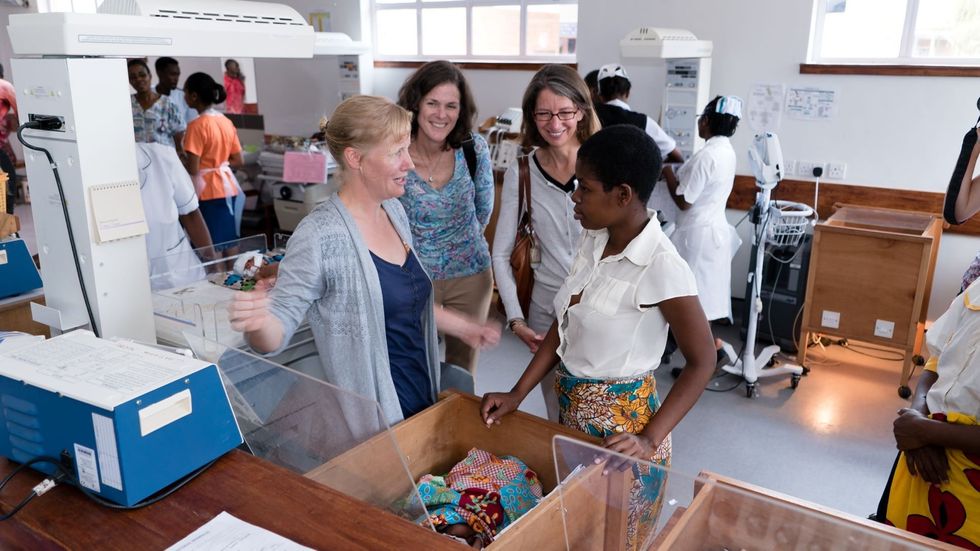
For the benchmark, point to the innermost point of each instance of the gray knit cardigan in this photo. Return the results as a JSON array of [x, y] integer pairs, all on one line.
[[328, 277]]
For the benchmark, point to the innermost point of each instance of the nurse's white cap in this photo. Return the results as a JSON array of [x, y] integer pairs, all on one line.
[[729, 105], [612, 70]]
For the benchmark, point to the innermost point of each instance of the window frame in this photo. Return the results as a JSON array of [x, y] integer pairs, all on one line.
[[905, 57], [418, 5]]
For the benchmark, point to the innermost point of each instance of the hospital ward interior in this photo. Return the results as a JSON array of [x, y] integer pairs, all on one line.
[[490, 274]]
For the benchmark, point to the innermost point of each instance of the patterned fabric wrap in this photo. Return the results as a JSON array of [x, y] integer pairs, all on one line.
[[239, 283], [971, 273], [949, 512], [603, 407], [484, 491]]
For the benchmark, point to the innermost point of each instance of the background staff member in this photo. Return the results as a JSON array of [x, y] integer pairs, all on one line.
[[703, 237], [614, 91]]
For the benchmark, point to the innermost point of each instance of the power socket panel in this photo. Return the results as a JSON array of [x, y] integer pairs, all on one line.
[[804, 169], [836, 170]]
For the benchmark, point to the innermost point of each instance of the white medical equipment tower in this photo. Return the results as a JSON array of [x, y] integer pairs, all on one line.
[[93, 150], [781, 223], [687, 82]]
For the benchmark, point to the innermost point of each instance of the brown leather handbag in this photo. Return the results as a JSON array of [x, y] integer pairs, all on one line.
[[525, 245]]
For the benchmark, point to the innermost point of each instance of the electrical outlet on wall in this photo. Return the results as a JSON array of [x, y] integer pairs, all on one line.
[[789, 168], [836, 170], [804, 169]]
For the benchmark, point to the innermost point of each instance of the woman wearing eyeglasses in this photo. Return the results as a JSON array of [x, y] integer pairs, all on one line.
[[558, 117]]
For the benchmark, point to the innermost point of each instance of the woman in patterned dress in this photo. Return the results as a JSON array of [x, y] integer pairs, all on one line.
[[627, 285]]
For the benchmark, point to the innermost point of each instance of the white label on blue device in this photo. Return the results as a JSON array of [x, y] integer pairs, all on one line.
[[105, 441], [88, 474]]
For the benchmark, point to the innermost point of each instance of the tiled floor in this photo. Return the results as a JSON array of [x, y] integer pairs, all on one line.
[[829, 441]]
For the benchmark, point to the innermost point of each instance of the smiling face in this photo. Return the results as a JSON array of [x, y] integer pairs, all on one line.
[[595, 207], [384, 168], [139, 77], [439, 112], [555, 131]]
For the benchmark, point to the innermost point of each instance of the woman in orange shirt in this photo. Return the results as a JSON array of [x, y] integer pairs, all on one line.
[[213, 149]]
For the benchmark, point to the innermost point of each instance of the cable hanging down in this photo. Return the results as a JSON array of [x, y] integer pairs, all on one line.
[[54, 123]]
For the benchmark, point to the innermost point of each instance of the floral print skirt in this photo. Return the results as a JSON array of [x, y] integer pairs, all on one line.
[[948, 512], [603, 407]]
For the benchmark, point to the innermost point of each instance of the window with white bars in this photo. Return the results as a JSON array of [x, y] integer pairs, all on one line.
[[476, 30], [900, 32]]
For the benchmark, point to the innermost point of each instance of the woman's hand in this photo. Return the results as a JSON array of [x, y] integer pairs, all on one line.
[[480, 335], [249, 311], [528, 336], [497, 404], [639, 446], [474, 333], [929, 462], [908, 429]]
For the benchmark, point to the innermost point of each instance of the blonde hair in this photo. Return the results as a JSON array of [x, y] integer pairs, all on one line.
[[362, 122]]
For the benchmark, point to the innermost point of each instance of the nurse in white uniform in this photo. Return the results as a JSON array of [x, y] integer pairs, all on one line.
[[703, 237]]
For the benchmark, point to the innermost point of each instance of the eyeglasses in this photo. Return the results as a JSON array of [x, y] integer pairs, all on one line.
[[563, 115]]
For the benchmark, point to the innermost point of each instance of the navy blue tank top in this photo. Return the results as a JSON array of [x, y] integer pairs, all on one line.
[[405, 290]]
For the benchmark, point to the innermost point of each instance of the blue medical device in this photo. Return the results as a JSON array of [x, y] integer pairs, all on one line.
[[128, 419], [17, 271]]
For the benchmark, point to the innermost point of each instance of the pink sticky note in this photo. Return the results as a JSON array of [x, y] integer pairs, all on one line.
[[304, 168]]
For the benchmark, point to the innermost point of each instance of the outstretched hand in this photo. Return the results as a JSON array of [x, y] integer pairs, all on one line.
[[249, 310], [496, 405]]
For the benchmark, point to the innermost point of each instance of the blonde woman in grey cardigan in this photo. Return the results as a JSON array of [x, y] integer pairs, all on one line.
[[351, 271]]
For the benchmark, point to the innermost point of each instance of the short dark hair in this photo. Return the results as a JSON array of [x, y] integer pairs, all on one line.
[[564, 81], [623, 154], [208, 91], [720, 124], [592, 79], [162, 63], [611, 88], [427, 77], [137, 61], [227, 61]]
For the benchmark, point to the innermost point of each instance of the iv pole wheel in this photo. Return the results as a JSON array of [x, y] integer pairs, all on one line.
[[904, 391], [750, 390], [794, 381]]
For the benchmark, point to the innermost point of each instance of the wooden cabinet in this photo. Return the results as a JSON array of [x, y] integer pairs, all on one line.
[[870, 278]]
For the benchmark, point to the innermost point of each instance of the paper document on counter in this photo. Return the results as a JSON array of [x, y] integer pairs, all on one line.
[[227, 533]]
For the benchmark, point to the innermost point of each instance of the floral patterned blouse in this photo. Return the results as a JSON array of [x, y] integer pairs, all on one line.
[[447, 223], [159, 123]]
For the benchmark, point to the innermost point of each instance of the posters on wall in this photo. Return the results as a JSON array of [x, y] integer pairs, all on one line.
[[811, 103], [766, 107]]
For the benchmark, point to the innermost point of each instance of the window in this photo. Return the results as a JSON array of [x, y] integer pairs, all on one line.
[[490, 30], [901, 32], [77, 6]]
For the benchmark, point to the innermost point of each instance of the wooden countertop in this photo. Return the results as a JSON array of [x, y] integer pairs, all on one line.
[[249, 488]]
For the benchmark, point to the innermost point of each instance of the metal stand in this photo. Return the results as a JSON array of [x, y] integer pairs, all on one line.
[[750, 366]]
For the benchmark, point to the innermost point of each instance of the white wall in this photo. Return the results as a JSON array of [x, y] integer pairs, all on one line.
[[895, 132], [294, 94]]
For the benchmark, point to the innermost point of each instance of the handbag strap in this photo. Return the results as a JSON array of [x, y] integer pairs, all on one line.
[[524, 192]]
